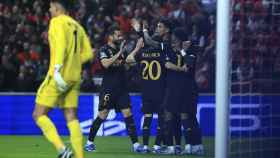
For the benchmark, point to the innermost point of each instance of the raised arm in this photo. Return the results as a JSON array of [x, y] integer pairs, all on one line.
[[131, 57], [107, 62]]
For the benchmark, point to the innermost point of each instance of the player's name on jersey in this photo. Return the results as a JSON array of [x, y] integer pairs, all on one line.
[[151, 55]]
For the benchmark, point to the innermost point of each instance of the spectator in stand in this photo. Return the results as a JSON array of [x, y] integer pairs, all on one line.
[[9, 65], [87, 84]]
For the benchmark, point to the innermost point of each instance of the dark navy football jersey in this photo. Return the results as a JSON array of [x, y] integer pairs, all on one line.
[[190, 59], [175, 78], [179, 85], [113, 76], [153, 73]]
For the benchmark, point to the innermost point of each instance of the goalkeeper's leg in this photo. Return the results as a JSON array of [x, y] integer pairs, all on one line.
[[49, 130], [76, 136]]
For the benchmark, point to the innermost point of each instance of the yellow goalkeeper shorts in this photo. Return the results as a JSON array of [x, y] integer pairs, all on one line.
[[48, 94]]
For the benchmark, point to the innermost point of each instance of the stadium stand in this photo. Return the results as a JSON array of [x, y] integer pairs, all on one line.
[[23, 30]]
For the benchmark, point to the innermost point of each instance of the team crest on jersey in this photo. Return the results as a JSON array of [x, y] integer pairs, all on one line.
[[102, 55], [110, 52]]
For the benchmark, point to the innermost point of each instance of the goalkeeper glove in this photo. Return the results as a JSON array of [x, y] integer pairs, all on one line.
[[61, 84]]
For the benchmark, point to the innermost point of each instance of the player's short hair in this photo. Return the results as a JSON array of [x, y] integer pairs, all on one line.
[[67, 4], [166, 22], [111, 30], [180, 33]]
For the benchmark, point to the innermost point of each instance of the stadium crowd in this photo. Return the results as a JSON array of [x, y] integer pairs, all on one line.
[[25, 52]]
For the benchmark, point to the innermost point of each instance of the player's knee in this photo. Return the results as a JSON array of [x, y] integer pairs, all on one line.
[[35, 115], [70, 114], [103, 114], [126, 112], [39, 111]]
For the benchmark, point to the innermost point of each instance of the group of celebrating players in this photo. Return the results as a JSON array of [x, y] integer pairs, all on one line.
[[166, 66], [166, 62]]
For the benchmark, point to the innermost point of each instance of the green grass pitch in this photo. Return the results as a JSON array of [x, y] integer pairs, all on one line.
[[107, 147]]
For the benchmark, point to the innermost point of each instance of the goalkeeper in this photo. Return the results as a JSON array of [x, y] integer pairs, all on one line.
[[69, 49]]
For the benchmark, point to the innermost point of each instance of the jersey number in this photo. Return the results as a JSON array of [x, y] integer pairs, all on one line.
[[148, 73], [75, 39], [179, 60], [74, 27]]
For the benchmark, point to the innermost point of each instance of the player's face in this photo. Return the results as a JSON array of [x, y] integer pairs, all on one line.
[[118, 37], [161, 29], [175, 43]]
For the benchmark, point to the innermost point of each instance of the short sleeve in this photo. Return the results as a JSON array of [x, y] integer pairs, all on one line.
[[102, 54]]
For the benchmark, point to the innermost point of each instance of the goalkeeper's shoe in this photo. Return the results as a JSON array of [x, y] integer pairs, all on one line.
[[90, 147], [66, 153]]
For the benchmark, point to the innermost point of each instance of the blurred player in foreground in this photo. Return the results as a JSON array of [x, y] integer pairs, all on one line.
[[70, 48]]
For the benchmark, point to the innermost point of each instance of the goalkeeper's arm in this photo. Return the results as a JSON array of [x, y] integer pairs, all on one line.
[[61, 84], [58, 32]]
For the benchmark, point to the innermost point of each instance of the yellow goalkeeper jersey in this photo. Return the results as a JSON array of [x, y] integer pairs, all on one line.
[[69, 47]]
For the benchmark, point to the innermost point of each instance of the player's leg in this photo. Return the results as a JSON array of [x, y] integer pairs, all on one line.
[[46, 98], [147, 109], [69, 103], [131, 129], [105, 99], [186, 132], [197, 147], [192, 131], [76, 136], [167, 128], [192, 134], [177, 133], [148, 117], [101, 117], [159, 135], [123, 104], [40, 115]]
